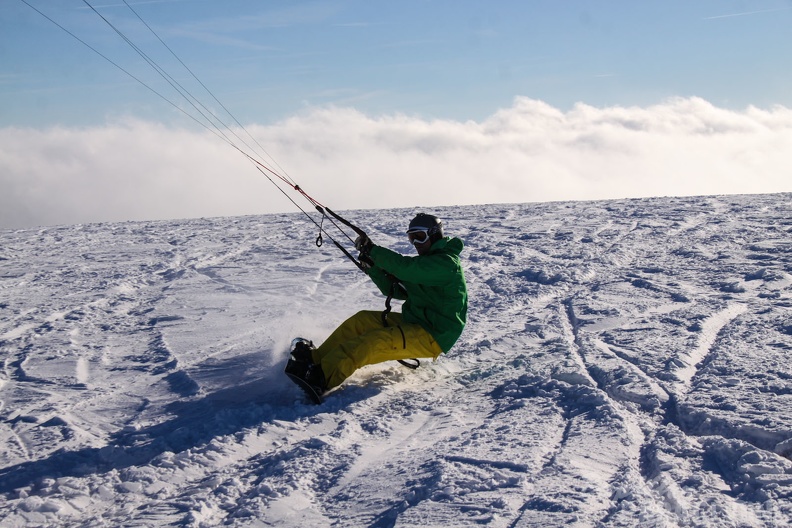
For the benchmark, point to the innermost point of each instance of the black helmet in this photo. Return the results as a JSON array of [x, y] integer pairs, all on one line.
[[429, 223]]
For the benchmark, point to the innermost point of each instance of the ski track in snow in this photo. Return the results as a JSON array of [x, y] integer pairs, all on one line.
[[626, 363]]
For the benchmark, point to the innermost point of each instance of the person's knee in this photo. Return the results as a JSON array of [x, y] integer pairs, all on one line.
[[365, 320], [368, 315]]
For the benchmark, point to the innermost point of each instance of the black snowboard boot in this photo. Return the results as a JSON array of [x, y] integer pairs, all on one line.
[[297, 368], [316, 378], [302, 351]]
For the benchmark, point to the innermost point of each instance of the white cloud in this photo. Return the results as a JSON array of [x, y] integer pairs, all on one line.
[[529, 152]]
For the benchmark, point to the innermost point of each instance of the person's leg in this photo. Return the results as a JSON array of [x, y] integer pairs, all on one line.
[[397, 341], [358, 324]]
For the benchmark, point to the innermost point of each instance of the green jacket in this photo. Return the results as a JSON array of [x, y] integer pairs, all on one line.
[[432, 285]]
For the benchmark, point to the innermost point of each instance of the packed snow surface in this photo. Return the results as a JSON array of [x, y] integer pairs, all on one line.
[[626, 363]]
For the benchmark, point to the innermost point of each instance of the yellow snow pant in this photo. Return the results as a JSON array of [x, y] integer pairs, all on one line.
[[363, 340]]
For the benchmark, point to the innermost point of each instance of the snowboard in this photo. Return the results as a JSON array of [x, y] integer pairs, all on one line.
[[296, 370]]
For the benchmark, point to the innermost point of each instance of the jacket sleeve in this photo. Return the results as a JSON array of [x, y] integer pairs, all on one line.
[[431, 270], [384, 282]]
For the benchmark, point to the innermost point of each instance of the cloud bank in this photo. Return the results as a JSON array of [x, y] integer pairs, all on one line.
[[530, 152]]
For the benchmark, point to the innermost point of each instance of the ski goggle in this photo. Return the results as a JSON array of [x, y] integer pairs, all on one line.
[[418, 235]]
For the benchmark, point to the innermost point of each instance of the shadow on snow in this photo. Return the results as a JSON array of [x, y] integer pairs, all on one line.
[[193, 423]]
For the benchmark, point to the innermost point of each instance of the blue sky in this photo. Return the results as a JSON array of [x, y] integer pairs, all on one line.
[[445, 59], [371, 104]]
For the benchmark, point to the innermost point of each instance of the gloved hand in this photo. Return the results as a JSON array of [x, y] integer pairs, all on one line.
[[363, 244], [365, 261]]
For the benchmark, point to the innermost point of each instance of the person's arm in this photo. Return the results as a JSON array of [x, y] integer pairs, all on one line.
[[384, 282], [430, 269]]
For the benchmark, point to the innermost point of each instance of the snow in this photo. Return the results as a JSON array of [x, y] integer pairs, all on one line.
[[626, 363]]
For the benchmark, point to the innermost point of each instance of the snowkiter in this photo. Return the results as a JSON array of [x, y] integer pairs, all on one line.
[[434, 313]]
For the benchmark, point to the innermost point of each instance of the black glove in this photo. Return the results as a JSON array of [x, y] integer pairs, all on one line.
[[365, 261], [363, 244]]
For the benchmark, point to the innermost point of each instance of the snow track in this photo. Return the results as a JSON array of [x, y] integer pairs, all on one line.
[[626, 363], [688, 361]]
